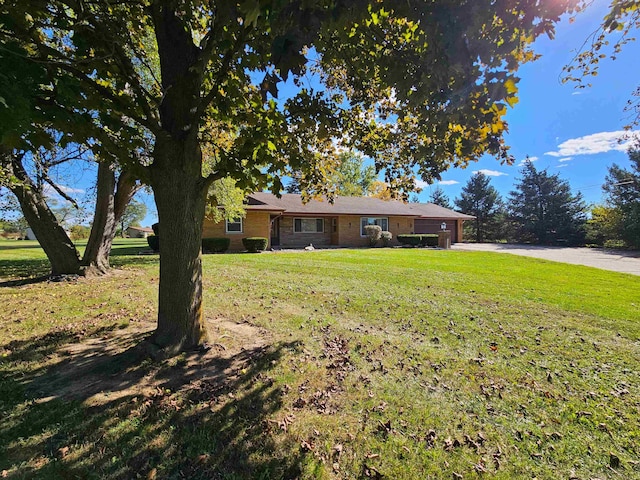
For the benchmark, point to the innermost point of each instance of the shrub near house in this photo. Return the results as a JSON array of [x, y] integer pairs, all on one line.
[[255, 244], [215, 245]]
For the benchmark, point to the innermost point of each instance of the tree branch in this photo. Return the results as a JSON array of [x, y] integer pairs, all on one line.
[[223, 70], [212, 177], [61, 192], [54, 58]]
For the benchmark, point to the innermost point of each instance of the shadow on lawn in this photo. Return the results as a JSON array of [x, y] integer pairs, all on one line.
[[103, 410], [30, 271], [26, 271], [18, 245]]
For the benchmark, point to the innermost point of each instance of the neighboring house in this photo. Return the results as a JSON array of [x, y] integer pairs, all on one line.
[[289, 223], [138, 232], [32, 236]]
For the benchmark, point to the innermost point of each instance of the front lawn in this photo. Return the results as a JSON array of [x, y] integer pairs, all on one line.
[[372, 363]]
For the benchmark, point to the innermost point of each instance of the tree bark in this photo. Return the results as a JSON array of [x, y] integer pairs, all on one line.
[[111, 203], [178, 187], [180, 196], [60, 250]]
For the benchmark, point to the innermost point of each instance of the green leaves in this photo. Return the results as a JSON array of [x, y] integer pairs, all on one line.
[[417, 86]]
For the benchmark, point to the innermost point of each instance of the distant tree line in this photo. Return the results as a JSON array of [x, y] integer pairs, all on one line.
[[541, 209], [616, 223]]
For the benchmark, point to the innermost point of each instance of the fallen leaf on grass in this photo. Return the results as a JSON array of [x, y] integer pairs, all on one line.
[[306, 446], [62, 452], [479, 467], [614, 461], [371, 472], [430, 438], [451, 444], [337, 450], [384, 427]]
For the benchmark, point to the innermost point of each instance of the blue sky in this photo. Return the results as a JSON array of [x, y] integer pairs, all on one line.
[[568, 131]]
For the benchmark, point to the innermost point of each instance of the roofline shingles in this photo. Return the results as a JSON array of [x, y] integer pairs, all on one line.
[[291, 204]]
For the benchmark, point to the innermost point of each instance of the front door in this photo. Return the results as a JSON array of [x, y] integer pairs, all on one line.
[[275, 232]]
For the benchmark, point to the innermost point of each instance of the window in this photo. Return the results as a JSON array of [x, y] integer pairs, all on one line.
[[308, 225], [382, 222], [234, 226]]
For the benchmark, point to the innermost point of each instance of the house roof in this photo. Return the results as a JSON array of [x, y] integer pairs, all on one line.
[[291, 204], [141, 229], [431, 210]]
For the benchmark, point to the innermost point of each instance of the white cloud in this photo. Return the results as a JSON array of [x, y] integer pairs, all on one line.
[[578, 92], [423, 184], [490, 173], [566, 159], [70, 189], [49, 191], [531, 159], [562, 166], [601, 142]]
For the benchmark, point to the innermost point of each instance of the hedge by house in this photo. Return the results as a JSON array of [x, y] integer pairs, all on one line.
[[215, 244], [255, 244], [154, 242], [422, 240]]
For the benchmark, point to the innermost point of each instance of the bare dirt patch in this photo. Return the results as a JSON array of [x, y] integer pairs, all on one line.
[[112, 365]]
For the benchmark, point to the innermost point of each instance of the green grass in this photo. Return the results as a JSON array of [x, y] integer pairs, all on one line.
[[400, 363]]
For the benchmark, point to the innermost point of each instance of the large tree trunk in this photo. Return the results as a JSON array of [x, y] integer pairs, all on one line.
[[111, 203], [55, 242], [178, 186], [180, 195]]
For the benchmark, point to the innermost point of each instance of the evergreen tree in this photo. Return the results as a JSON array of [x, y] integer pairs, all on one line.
[[543, 209], [482, 200], [440, 198], [294, 184], [622, 187]]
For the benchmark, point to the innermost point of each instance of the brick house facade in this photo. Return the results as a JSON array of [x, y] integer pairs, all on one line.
[[289, 223]]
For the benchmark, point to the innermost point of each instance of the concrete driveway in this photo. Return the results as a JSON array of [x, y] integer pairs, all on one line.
[[614, 260]]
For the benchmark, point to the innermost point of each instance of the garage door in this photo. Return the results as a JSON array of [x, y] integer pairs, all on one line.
[[422, 225]]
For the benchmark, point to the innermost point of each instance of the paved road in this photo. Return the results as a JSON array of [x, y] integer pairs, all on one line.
[[614, 260]]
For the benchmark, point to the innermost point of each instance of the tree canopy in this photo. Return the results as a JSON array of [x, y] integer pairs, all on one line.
[[133, 214], [416, 86], [350, 177]]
